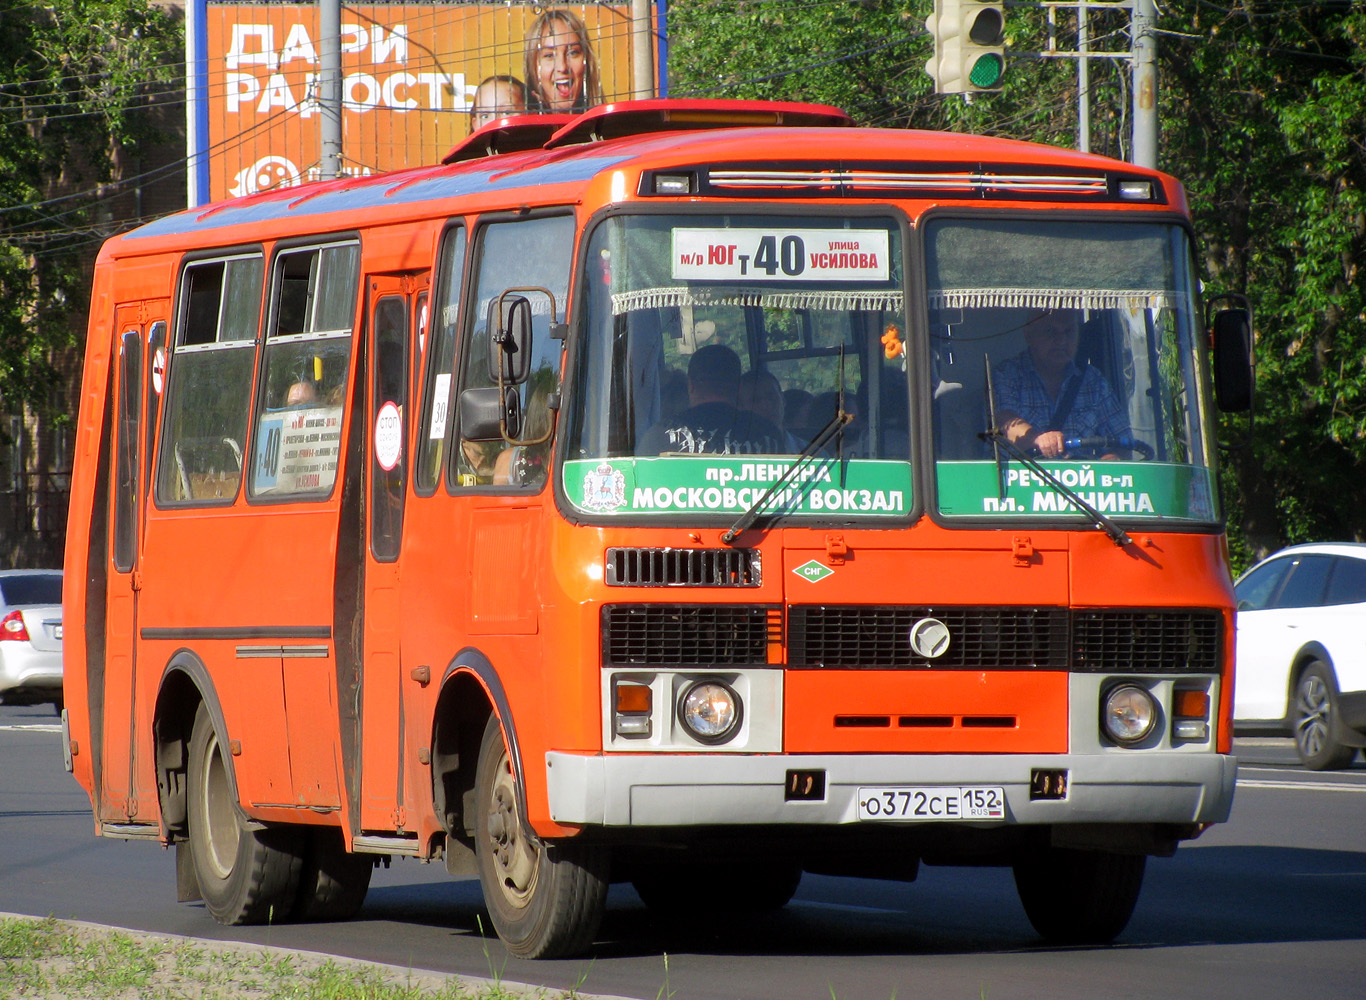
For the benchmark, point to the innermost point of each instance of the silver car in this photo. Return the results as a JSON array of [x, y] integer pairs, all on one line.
[[31, 636]]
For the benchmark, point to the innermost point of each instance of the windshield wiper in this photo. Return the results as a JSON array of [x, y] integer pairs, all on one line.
[[999, 440], [835, 427]]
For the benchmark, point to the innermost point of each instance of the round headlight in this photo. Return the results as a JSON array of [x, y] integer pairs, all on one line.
[[1130, 714], [710, 711]]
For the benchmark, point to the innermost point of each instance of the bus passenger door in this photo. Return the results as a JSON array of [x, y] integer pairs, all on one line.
[[123, 798], [395, 303]]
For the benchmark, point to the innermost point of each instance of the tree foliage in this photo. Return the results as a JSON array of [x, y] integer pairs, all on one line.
[[75, 78], [1263, 118]]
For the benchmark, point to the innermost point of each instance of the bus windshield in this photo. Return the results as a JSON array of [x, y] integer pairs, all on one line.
[[1078, 342], [716, 348]]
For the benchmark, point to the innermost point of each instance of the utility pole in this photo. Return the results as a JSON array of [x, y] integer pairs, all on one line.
[[642, 51], [1083, 80], [1144, 42], [947, 25], [329, 89]]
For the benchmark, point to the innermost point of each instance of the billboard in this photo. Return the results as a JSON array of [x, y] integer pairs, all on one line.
[[416, 79]]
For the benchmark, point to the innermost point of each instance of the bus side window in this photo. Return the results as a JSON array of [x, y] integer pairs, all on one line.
[[527, 253], [209, 378], [438, 351], [298, 435]]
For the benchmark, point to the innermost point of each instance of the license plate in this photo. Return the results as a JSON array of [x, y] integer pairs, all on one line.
[[931, 803], [56, 631]]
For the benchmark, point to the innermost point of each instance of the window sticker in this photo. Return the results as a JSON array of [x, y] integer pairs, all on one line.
[[388, 437], [780, 255], [728, 485], [441, 394]]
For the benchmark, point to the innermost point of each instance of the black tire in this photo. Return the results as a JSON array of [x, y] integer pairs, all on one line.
[[545, 900], [1079, 897], [1314, 715], [333, 882], [757, 887], [247, 874]]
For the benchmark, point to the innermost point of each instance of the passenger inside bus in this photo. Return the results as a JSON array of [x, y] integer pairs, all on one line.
[[301, 393], [1043, 398], [761, 393], [712, 423]]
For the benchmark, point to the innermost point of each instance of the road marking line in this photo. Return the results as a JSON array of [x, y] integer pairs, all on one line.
[[37, 727], [1312, 786]]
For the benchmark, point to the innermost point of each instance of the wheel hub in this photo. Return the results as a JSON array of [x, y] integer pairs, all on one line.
[[516, 856], [1311, 728]]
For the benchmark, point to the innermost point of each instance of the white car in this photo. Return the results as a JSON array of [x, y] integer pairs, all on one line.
[[31, 636], [1301, 657]]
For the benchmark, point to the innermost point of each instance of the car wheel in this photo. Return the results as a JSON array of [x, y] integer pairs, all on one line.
[[1314, 715], [545, 900], [1079, 897], [248, 873]]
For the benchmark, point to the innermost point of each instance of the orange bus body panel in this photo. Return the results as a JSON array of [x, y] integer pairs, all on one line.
[[339, 677]]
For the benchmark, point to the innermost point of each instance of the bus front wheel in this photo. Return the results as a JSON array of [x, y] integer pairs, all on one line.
[[247, 874], [1079, 897], [545, 900]]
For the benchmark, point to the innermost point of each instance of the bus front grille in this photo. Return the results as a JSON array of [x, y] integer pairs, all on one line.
[[878, 637], [706, 635], [1167, 641], [667, 567]]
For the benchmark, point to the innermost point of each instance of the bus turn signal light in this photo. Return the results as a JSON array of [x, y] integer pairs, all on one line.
[[634, 703], [1190, 715]]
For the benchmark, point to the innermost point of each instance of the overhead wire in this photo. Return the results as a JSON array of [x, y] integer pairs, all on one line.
[[171, 96]]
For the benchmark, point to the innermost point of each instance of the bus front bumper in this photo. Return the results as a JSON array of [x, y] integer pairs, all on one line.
[[659, 790]]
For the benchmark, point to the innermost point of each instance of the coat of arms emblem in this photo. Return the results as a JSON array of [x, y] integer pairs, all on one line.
[[604, 488]]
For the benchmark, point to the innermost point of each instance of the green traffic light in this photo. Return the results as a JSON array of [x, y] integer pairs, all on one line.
[[987, 70]]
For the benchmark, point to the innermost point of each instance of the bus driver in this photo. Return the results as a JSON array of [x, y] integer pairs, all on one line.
[[1043, 398]]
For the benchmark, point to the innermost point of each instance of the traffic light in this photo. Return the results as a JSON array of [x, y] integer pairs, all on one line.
[[969, 46]]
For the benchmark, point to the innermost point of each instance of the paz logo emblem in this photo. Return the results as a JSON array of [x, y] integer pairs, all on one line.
[[930, 638], [813, 571]]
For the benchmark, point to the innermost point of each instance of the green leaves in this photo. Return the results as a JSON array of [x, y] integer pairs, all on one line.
[[78, 79], [1263, 118]]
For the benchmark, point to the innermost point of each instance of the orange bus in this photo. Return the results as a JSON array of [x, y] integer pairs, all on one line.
[[686, 483]]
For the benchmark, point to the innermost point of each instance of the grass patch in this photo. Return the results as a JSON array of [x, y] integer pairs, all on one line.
[[53, 960]]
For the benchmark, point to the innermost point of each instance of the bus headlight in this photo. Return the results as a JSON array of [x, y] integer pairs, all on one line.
[[1129, 714], [710, 711]]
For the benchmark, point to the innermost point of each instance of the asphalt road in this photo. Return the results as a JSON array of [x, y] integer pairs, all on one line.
[[1268, 905]]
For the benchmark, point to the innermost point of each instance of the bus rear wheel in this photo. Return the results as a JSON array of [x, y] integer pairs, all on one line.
[[248, 874], [545, 900], [333, 884], [1079, 897]]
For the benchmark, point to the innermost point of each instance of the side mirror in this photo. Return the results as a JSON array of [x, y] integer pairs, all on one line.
[[489, 415], [509, 328], [1234, 362]]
